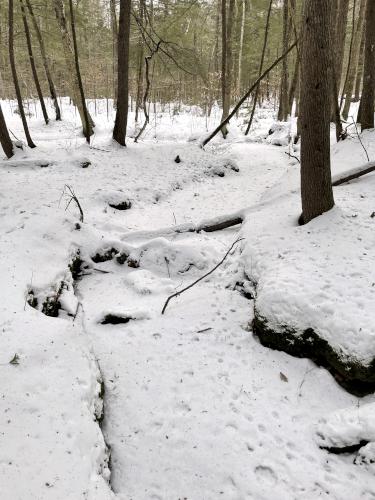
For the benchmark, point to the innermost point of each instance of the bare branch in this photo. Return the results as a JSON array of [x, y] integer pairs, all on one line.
[[199, 279]]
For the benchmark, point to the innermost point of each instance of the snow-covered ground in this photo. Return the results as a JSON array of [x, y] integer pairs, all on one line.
[[194, 406]]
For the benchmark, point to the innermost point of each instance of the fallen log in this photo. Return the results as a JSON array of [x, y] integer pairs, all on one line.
[[248, 93], [353, 174]]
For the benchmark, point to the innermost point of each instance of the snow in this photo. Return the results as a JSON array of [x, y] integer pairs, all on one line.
[[194, 406], [317, 276]]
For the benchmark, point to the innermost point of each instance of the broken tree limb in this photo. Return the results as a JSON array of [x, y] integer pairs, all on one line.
[[201, 278], [208, 226], [337, 180], [243, 99]]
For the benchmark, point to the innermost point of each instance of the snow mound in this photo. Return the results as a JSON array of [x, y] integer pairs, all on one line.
[[279, 134], [316, 283]]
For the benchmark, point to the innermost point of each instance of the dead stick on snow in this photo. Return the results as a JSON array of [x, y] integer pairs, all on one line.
[[201, 278], [72, 197]]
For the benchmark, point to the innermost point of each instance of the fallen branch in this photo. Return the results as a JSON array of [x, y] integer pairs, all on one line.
[[208, 226], [353, 174], [199, 279], [243, 99]]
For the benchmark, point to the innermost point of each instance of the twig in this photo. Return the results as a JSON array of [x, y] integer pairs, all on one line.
[[199, 279], [14, 135], [359, 138], [292, 156], [100, 149], [73, 197]]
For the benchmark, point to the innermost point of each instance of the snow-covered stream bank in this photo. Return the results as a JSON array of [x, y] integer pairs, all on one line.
[[195, 407]]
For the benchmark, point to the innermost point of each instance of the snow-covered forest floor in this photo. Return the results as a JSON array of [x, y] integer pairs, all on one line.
[[194, 406]]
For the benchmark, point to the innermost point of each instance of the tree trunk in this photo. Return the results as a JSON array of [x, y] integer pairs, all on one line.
[[266, 30], [316, 78], [72, 69], [224, 63], [32, 63], [45, 61], [138, 101], [240, 51], [15, 77], [88, 121], [119, 131], [114, 46], [368, 94], [284, 86], [341, 23], [352, 70], [360, 69], [5, 141]]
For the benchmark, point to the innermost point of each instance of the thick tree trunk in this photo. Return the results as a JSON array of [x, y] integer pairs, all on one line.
[[368, 92], [43, 53], [352, 70], [32, 63], [316, 78], [72, 72], [5, 141], [119, 131], [15, 77]]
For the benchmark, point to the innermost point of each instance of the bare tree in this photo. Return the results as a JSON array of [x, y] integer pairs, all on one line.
[[113, 16], [368, 92], [72, 66], [43, 53], [316, 78], [32, 63], [284, 86], [256, 93], [5, 141], [352, 68], [226, 57], [119, 131], [15, 76]]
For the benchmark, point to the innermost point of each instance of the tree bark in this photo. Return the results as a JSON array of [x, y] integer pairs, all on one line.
[[119, 131], [5, 141], [43, 53], [72, 71], [368, 92], [15, 77], [32, 63], [316, 78]]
